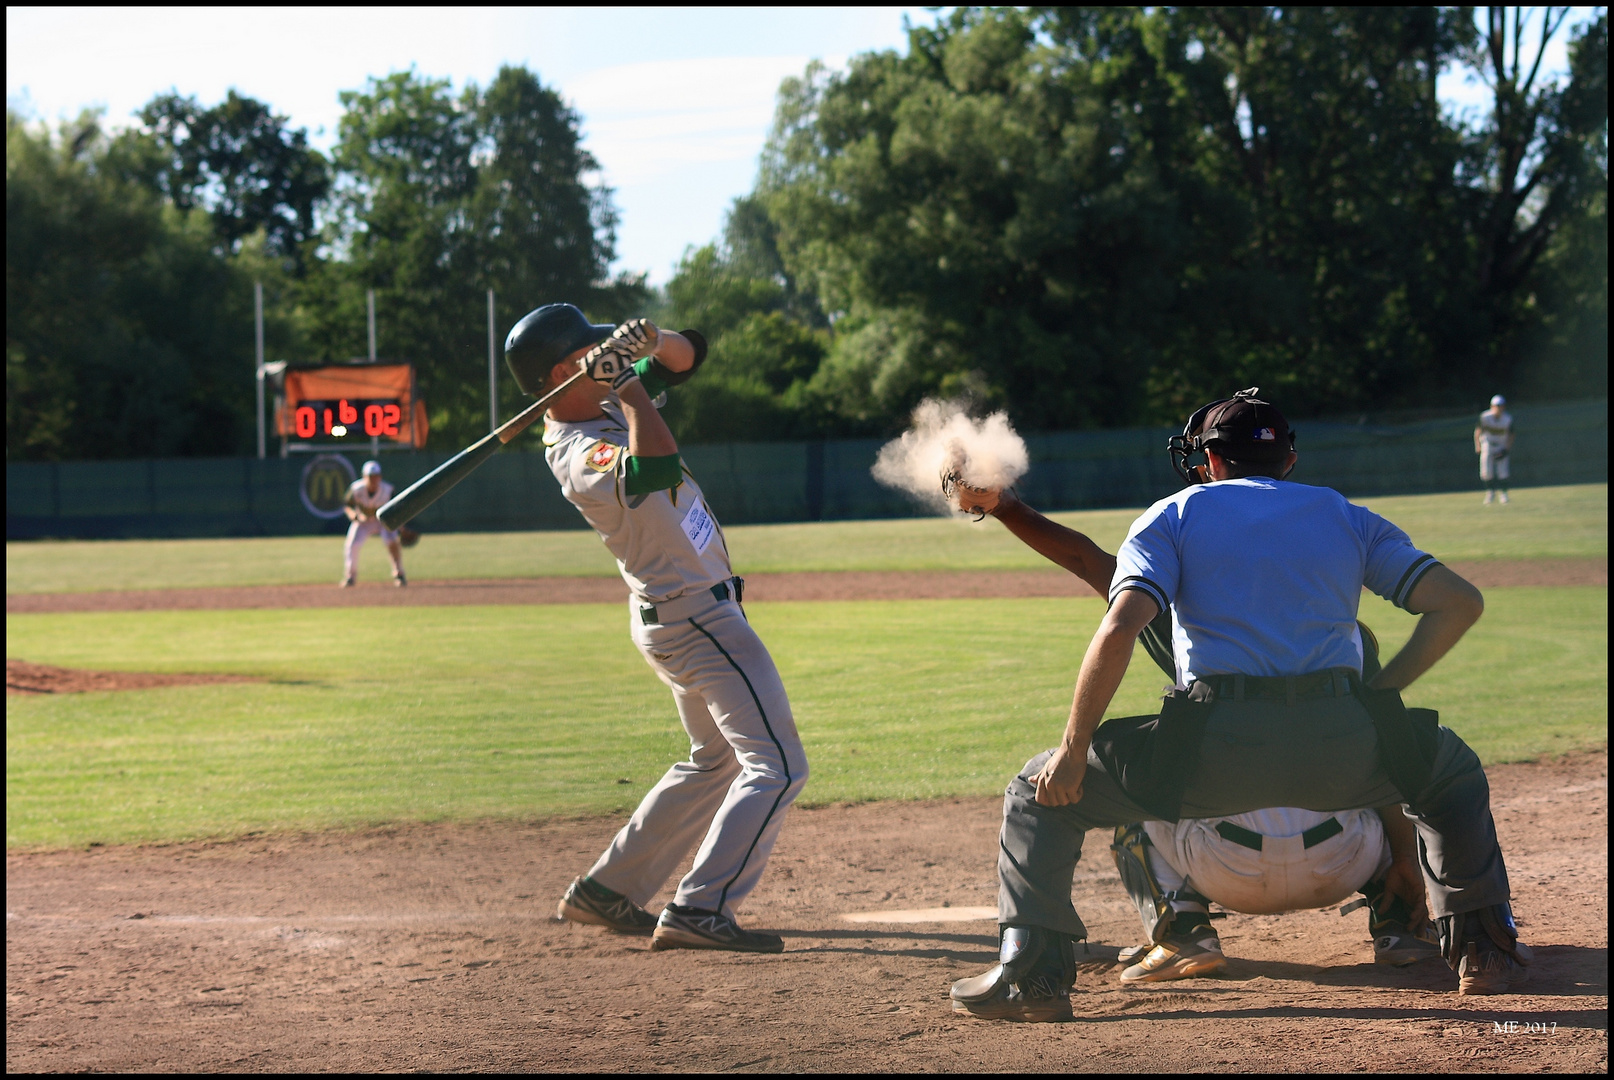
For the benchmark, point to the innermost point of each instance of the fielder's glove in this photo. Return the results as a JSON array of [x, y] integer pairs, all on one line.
[[967, 499], [408, 537], [607, 363], [636, 337]]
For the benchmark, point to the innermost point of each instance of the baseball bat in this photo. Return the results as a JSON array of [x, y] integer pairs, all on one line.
[[437, 483]]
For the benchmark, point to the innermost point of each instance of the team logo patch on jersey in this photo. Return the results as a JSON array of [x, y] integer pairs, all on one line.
[[603, 457]]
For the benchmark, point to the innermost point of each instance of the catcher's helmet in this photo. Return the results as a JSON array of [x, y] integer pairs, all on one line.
[[545, 337], [1239, 428]]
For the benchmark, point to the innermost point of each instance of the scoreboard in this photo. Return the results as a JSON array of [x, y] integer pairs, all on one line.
[[352, 403]]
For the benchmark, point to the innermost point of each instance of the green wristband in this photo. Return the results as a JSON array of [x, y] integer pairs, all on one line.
[[648, 375]]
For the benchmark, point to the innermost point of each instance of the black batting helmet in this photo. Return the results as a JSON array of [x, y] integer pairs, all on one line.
[[1239, 428], [545, 337]]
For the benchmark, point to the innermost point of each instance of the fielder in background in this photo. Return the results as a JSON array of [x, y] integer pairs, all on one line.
[[1263, 579], [365, 496], [1259, 863], [1493, 442], [619, 465]]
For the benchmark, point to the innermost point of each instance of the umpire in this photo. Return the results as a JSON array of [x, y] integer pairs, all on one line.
[[1262, 579]]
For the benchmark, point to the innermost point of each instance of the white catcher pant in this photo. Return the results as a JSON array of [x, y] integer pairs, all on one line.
[[1284, 875], [746, 765], [360, 531]]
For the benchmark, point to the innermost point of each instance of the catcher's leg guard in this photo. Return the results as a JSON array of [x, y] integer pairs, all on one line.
[[1032, 980], [1131, 851]]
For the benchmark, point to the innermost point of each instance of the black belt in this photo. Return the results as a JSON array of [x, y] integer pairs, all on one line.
[[721, 591], [1252, 840], [1335, 682]]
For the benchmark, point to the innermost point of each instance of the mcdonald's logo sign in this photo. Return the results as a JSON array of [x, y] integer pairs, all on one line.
[[324, 485]]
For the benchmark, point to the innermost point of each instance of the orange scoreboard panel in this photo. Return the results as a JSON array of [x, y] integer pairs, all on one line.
[[353, 404]]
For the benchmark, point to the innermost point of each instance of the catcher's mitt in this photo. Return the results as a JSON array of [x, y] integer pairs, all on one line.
[[965, 498], [408, 537]]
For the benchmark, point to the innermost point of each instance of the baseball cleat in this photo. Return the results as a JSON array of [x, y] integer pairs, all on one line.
[[1038, 1000], [399, 580], [589, 902], [1396, 946], [1486, 969], [1179, 956], [696, 928], [347, 583]]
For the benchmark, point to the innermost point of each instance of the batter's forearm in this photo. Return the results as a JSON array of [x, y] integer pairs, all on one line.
[[648, 434], [675, 351], [1064, 547]]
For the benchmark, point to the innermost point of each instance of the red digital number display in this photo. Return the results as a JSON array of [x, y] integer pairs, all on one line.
[[340, 419]]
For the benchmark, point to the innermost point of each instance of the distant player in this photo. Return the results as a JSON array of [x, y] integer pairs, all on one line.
[[368, 494], [1493, 442], [619, 465]]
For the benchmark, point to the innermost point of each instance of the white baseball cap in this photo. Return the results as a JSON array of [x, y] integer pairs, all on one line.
[[371, 468], [1497, 400]]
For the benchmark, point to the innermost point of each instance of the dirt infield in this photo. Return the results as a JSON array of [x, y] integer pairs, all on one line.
[[25, 678], [849, 585], [431, 947]]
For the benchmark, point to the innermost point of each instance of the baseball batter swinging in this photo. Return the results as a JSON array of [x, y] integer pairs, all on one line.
[[1262, 862], [618, 463]]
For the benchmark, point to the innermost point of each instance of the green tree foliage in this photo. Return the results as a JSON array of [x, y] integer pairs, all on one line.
[[442, 197], [239, 161], [126, 335], [1107, 216]]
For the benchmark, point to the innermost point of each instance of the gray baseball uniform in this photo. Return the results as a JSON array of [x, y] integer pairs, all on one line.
[[746, 764]]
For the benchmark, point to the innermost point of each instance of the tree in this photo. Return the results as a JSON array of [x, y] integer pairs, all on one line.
[[240, 162], [441, 197], [126, 334]]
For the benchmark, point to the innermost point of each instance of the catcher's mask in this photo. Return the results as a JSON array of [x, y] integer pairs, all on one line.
[[1239, 428], [545, 337]]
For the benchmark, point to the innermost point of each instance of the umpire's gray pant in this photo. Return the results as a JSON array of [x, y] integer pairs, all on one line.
[[1319, 755], [745, 766]]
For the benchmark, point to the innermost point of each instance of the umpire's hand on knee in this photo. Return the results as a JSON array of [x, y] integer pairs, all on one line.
[[1059, 781]]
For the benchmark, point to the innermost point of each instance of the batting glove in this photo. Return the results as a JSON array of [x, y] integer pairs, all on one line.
[[638, 337], [607, 363]]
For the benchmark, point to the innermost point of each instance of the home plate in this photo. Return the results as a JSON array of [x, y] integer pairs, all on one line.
[[927, 914]]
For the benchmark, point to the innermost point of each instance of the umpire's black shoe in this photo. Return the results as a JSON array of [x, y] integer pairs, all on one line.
[[696, 928], [588, 901], [1037, 999]]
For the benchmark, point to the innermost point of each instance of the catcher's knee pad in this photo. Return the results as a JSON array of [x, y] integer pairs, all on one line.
[[1494, 922], [1131, 851], [1031, 954]]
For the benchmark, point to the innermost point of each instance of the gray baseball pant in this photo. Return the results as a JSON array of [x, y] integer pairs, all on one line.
[[1319, 755], [746, 764]]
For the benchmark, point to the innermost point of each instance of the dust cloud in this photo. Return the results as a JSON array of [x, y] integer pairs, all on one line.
[[984, 453]]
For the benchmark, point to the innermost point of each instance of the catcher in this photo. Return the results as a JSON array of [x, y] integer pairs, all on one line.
[[365, 496], [1259, 862]]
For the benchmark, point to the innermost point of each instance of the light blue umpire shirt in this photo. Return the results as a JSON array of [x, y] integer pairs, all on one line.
[[1264, 577]]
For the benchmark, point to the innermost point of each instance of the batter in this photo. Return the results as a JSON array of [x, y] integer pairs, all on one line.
[[1493, 442], [365, 496], [617, 462]]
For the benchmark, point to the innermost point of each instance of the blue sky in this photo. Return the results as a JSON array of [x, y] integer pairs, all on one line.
[[676, 102]]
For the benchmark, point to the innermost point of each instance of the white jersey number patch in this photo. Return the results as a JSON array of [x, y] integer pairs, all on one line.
[[699, 526]]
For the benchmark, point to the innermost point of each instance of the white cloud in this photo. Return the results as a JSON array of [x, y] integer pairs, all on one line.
[[645, 121]]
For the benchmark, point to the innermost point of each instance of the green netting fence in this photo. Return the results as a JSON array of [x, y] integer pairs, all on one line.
[[770, 482]]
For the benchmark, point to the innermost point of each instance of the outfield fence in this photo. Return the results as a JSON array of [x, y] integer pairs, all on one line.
[[773, 482]]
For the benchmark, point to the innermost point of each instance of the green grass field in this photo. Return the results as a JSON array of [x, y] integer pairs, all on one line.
[[1560, 521], [488, 712]]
